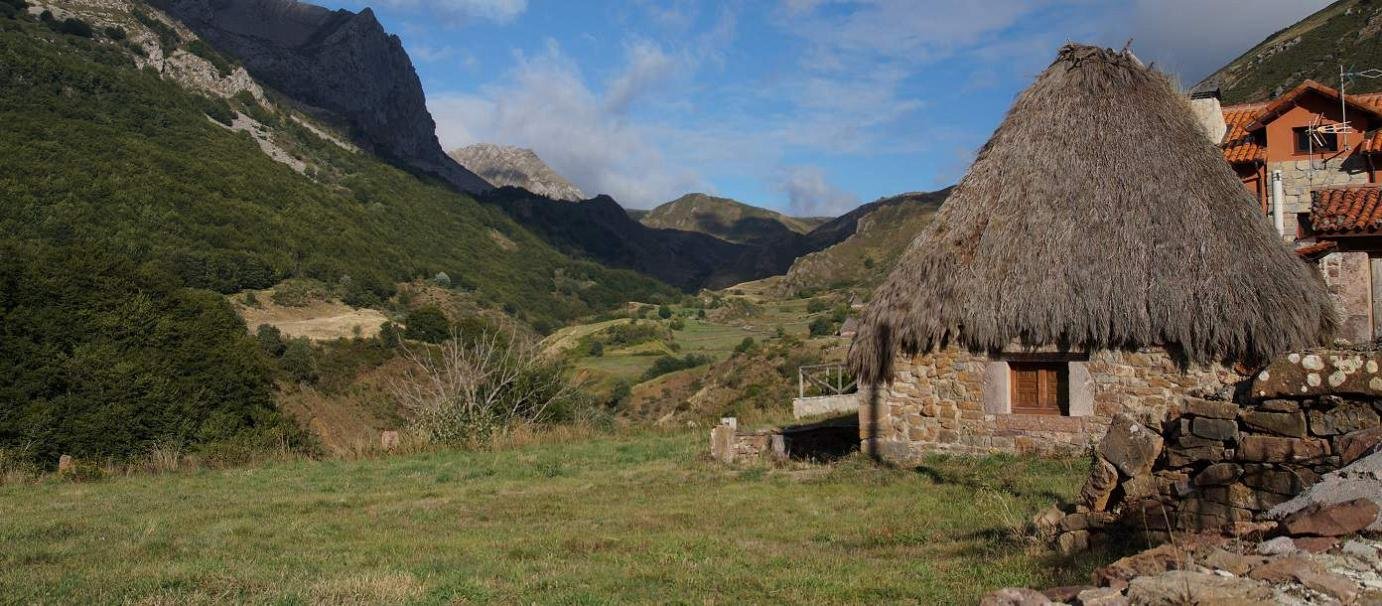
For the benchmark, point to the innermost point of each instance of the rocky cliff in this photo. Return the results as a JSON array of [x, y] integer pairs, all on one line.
[[503, 165], [335, 62]]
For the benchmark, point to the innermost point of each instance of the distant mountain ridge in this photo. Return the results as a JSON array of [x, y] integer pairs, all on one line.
[[1347, 32], [858, 249], [504, 165], [726, 219], [335, 62]]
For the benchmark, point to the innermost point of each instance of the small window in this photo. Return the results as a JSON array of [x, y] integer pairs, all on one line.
[[1307, 142], [1040, 388]]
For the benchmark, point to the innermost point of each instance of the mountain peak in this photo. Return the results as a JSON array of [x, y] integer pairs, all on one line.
[[725, 218], [335, 62], [505, 165]]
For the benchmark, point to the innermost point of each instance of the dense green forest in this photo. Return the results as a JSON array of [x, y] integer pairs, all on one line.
[[126, 209]]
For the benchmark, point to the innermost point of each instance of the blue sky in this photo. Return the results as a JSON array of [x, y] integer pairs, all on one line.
[[807, 106]]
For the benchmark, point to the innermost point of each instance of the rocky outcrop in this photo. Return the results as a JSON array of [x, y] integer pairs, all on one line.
[[506, 166], [1203, 569], [339, 63]]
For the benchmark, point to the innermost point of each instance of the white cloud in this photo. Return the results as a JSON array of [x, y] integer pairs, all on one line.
[[648, 66], [545, 104], [430, 54], [810, 194], [461, 12], [902, 30]]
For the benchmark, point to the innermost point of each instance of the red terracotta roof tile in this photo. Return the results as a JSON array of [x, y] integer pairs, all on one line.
[[1346, 210], [1239, 145], [1316, 250]]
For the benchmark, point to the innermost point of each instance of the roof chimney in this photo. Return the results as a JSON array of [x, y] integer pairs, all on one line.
[[1209, 114]]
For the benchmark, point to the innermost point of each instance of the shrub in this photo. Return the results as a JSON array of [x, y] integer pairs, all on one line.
[[816, 306], [298, 292], [621, 393], [669, 364], [466, 392], [13, 8], [745, 346], [270, 339], [868, 262], [678, 324], [427, 324], [217, 109], [597, 349], [299, 361], [388, 334], [821, 327], [115, 33], [70, 26], [664, 312], [441, 279]]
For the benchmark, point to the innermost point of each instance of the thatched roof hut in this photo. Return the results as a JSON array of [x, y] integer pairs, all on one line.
[[1098, 216]]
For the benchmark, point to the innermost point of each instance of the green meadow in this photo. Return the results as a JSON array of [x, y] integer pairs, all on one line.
[[615, 518]]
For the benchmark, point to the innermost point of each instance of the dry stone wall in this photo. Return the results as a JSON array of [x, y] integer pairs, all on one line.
[[1216, 465]]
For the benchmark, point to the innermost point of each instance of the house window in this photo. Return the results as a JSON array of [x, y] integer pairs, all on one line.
[[1307, 142], [1039, 388]]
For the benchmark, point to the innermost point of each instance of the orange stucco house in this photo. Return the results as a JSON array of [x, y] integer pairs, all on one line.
[[1319, 183]]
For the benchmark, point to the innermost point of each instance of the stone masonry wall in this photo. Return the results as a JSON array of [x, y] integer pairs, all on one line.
[[1215, 465], [1349, 278], [1298, 178], [937, 404]]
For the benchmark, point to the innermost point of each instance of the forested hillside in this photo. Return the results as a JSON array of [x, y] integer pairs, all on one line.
[[1347, 33], [128, 205]]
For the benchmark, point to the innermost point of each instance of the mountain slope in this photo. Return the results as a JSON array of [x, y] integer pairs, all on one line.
[[599, 229], [724, 218], [504, 165], [1347, 32], [337, 62], [865, 243], [130, 201]]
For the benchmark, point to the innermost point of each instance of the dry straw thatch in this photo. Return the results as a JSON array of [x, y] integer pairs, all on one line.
[[1098, 216]]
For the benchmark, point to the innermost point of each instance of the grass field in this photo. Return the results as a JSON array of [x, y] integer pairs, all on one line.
[[612, 519]]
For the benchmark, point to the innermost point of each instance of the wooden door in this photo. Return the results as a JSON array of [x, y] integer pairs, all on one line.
[[1039, 388]]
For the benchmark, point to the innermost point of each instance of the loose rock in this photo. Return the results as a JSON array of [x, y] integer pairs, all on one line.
[[1130, 446], [1014, 596], [1332, 520], [1180, 587]]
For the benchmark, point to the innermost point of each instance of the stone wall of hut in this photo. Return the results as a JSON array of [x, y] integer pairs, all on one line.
[[944, 402]]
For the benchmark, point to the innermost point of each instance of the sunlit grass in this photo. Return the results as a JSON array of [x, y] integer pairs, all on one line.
[[615, 519]]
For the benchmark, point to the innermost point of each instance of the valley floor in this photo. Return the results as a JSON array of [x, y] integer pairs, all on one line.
[[641, 518]]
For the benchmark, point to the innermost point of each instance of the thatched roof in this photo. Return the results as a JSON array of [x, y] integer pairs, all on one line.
[[1098, 216]]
